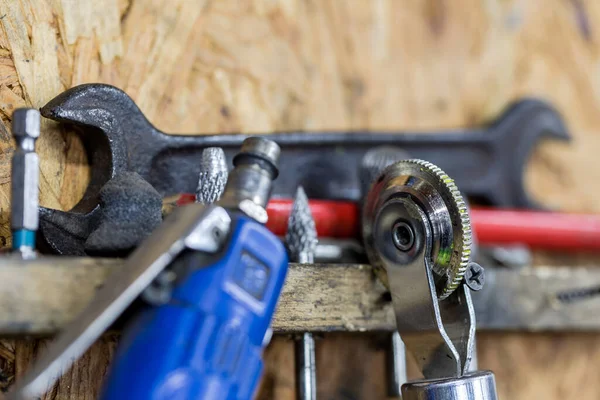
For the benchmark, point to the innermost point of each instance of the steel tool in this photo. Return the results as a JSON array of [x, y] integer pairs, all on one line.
[[301, 243], [487, 163], [205, 339], [417, 235], [25, 181], [396, 366]]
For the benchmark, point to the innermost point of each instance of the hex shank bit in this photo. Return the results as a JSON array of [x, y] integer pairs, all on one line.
[[25, 180], [301, 242]]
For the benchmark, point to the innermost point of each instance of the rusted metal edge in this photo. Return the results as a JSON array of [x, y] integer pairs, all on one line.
[[38, 297]]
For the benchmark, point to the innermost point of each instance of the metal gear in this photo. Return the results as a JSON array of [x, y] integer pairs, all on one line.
[[437, 195]]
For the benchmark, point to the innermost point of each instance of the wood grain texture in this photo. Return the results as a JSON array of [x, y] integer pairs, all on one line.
[[261, 65], [41, 296]]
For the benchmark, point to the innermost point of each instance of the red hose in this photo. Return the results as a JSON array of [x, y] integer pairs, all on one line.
[[536, 229], [334, 219]]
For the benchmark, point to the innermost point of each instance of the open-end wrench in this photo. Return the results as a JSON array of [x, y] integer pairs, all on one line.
[[487, 163]]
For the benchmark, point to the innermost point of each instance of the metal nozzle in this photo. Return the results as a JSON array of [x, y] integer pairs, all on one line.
[[249, 185], [213, 175], [25, 179], [263, 148]]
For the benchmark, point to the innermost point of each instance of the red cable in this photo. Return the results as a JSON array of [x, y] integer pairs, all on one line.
[[536, 229]]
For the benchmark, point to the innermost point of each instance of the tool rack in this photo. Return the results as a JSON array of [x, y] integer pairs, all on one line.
[[41, 295]]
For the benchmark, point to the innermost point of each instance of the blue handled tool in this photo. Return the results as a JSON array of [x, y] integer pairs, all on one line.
[[207, 341], [214, 274]]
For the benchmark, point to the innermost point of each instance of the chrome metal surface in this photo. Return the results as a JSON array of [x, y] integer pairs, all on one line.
[[421, 197], [403, 236], [480, 385], [446, 212], [373, 163], [185, 227], [396, 366], [474, 364], [25, 170], [306, 368]]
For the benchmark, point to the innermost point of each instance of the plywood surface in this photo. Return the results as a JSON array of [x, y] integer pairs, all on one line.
[[264, 65]]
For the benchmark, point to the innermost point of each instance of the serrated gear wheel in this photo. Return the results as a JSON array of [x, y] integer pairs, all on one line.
[[429, 187]]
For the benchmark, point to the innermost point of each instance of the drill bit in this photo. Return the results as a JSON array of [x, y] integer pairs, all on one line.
[[213, 175], [24, 182], [301, 242], [301, 237]]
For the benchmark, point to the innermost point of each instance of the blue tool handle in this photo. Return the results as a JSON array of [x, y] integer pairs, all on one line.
[[207, 342]]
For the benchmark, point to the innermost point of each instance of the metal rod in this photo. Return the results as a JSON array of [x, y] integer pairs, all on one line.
[[306, 371], [396, 366]]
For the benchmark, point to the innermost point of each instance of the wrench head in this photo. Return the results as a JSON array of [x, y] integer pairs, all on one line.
[[84, 109], [107, 121], [168, 162], [521, 128], [65, 232]]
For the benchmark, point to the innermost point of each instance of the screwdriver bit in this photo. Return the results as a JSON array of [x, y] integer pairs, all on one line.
[[301, 242], [25, 179], [213, 175]]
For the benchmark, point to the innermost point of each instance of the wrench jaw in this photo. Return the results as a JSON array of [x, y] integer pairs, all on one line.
[[84, 108], [526, 122], [117, 138], [65, 232], [110, 114], [167, 162], [526, 110]]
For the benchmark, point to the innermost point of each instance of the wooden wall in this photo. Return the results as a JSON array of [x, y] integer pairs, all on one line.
[[264, 65]]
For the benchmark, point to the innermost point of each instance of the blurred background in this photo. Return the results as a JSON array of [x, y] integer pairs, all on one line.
[[259, 66]]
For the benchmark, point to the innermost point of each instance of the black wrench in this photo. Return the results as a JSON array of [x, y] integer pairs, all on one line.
[[486, 163]]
